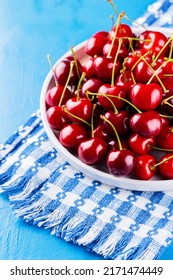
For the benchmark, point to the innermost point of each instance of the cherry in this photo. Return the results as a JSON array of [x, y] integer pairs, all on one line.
[[79, 108], [123, 30], [166, 166], [146, 96], [92, 151], [114, 145], [72, 135], [88, 67], [120, 162], [146, 124], [141, 145], [125, 80], [123, 52], [165, 138], [167, 102], [57, 118], [62, 70], [100, 132], [144, 167], [133, 58], [94, 45], [119, 120], [153, 40], [103, 67], [54, 95], [92, 84], [108, 96], [168, 82]]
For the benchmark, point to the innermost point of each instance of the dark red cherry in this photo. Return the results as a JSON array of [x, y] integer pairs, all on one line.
[[108, 96], [125, 80], [53, 96], [91, 85], [103, 67], [101, 132], [94, 45], [146, 97], [153, 40], [144, 167], [166, 166], [141, 145], [165, 138], [57, 118], [123, 30], [80, 108], [147, 124], [114, 145], [120, 162], [72, 135], [120, 121], [88, 67], [167, 102], [108, 49], [92, 151]]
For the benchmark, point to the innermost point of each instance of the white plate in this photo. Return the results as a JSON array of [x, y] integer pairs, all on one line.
[[98, 173]]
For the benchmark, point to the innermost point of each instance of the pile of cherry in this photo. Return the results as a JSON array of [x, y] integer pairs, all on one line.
[[116, 106]]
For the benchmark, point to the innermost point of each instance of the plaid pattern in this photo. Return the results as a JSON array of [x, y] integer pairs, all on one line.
[[47, 191]]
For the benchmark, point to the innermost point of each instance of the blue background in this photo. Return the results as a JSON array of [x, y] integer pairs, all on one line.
[[29, 30]]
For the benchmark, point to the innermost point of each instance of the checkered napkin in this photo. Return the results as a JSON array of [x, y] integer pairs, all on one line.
[[47, 191]]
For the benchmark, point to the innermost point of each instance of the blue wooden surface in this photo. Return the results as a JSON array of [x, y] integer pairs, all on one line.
[[29, 30]]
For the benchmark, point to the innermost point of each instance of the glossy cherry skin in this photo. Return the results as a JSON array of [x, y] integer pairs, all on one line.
[[94, 45], [72, 135], [156, 42], [166, 166], [57, 118], [92, 85], [88, 67], [81, 108], [165, 138], [92, 151], [120, 162], [146, 97], [62, 71], [125, 80], [120, 121], [101, 132], [123, 30], [123, 52], [103, 67], [113, 92], [113, 143], [141, 145], [54, 94], [167, 107], [147, 124], [144, 167]]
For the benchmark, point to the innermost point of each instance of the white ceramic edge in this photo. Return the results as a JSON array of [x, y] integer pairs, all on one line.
[[95, 174]]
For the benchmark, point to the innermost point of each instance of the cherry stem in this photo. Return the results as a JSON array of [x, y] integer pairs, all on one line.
[[112, 18], [161, 162], [114, 129], [171, 49], [66, 84], [114, 96], [162, 49], [75, 61], [114, 64], [92, 120], [79, 85], [134, 22], [115, 34], [160, 149], [51, 66], [74, 116], [155, 74], [165, 101], [114, 7]]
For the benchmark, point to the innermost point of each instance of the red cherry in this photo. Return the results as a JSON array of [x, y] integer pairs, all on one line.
[[94, 45], [62, 71], [72, 135], [133, 58], [91, 85], [123, 52], [120, 121], [101, 132], [120, 162], [53, 96], [123, 30], [147, 124], [166, 166], [165, 138], [153, 40], [103, 67], [144, 168], [141, 145], [114, 145], [146, 97], [168, 82], [81, 108], [92, 151], [167, 102], [125, 80], [113, 93], [57, 118], [88, 67]]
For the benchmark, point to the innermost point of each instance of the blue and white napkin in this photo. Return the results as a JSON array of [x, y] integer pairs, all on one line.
[[45, 190]]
